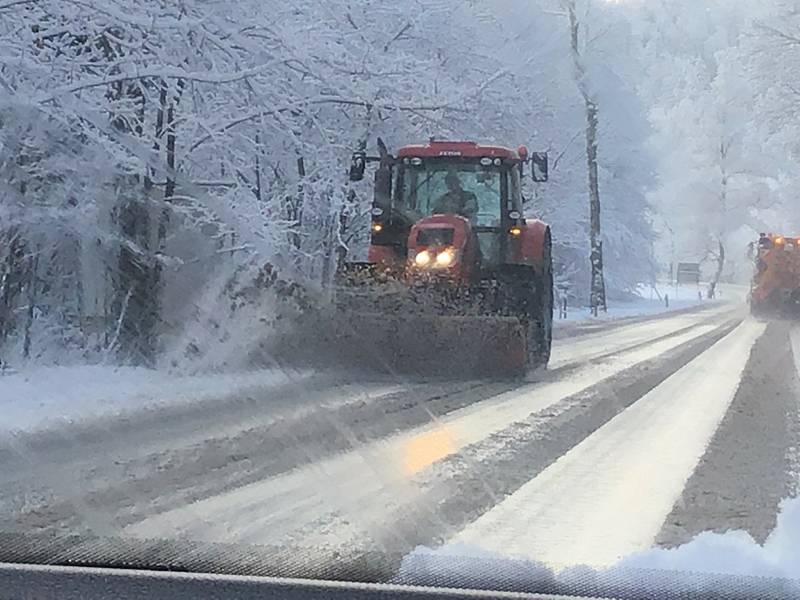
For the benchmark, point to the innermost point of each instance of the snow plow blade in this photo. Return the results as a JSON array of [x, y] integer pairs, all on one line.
[[380, 321], [420, 344]]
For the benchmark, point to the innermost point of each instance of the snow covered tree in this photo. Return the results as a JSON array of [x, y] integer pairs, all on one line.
[[717, 176], [151, 149]]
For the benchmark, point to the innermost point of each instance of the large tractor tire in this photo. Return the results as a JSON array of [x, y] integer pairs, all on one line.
[[541, 316], [529, 298]]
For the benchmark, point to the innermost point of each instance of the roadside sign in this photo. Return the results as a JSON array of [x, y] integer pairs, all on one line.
[[688, 273]]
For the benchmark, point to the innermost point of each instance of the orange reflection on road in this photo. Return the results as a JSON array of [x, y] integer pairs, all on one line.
[[426, 449]]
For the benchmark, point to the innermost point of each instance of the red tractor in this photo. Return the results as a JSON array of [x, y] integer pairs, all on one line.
[[775, 287], [456, 276]]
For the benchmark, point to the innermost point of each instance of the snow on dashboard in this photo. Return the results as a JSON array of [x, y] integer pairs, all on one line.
[[731, 565], [734, 552]]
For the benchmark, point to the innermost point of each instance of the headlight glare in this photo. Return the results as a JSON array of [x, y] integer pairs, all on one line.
[[422, 259], [445, 258]]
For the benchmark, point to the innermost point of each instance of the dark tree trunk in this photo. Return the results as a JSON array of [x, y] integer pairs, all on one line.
[[169, 191], [295, 206], [341, 249], [162, 103], [723, 200], [597, 293], [135, 279], [258, 167], [31, 297], [138, 274], [712, 287], [12, 276]]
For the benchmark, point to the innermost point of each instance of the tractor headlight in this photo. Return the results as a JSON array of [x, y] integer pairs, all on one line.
[[423, 259], [445, 258]]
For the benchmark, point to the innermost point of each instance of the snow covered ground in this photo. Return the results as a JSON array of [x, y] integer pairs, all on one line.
[[37, 398], [608, 497], [653, 301]]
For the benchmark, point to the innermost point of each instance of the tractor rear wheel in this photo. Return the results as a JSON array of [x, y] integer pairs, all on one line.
[[528, 295]]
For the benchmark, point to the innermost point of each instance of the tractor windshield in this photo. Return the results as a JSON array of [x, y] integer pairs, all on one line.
[[441, 186]]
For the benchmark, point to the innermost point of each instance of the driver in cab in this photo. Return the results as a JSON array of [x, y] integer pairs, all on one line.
[[456, 200]]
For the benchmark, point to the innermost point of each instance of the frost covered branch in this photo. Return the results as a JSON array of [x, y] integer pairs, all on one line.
[[153, 74]]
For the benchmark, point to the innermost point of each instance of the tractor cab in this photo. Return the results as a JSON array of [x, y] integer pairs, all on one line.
[[430, 195]]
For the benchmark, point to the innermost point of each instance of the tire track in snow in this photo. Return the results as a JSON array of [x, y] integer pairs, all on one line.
[[263, 445], [793, 453], [459, 489], [335, 501], [608, 496], [576, 329], [746, 470], [597, 346]]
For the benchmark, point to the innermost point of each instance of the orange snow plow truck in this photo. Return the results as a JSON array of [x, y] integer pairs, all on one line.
[[776, 281]]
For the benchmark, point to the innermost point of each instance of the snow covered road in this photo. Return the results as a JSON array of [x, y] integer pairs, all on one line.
[[608, 497], [613, 450], [347, 486]]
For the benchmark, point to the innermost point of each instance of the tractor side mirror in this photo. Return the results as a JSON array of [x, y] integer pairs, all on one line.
[[358, 164], [539, 166]]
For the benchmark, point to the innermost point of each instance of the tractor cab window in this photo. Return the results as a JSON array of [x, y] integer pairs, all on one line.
[[469, 189]]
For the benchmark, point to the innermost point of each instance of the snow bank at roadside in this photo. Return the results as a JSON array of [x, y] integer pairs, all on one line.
[[43, 397], [712, 565], [652, 301]]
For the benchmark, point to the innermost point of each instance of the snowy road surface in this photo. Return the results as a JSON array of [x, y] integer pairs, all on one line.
[[642, 433]]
